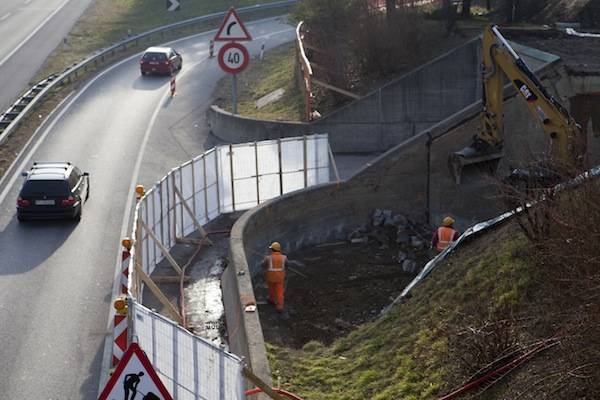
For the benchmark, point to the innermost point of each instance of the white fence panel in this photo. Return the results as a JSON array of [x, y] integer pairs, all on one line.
[[189, 367], [188, 192], [222, 180]]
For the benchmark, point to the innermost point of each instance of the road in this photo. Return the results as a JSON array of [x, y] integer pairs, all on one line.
[[57, 278], [30, 30]]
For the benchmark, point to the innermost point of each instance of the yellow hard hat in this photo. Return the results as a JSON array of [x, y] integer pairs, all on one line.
[[448, 221], [275, 246]]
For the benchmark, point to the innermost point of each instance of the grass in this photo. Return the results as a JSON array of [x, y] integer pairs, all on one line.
[[406, 354], [275, 71]]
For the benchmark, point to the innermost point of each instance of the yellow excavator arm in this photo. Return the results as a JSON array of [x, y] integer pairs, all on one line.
[[499, 60]]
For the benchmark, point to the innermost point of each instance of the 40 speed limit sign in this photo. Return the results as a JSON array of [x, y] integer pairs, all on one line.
[[233, 58]]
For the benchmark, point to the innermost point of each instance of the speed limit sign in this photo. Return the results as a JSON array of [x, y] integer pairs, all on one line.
[[233, 58]]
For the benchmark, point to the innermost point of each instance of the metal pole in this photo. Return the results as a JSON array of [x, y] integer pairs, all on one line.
[[305, 162], [234, 94], [257, 176], [280, 167], [232, 180]]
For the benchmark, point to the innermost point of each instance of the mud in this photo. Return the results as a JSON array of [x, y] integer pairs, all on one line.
[[341, 287]]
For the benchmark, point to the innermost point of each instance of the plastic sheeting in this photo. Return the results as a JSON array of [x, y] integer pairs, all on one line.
[[225, 179], [191, 368]]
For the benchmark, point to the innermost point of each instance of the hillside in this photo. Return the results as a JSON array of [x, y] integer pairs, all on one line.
[[486, 300]]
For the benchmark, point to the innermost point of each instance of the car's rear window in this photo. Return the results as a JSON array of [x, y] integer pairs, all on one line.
[[155, 57], [44, 188]]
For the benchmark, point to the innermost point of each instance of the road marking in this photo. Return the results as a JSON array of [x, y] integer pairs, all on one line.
[[5, 16], [40, 26], [27, 2]]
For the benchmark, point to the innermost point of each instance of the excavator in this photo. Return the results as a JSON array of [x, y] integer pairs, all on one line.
[[500, 59]]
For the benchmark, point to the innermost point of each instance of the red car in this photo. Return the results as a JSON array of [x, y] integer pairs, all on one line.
[[160, 60]]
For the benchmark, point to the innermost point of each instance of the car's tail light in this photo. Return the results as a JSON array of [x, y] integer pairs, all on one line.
[[68, 202], [168, 62], [21, 202], [141, 61]]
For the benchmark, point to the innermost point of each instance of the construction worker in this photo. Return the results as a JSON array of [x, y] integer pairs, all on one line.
[[444, 235], [275, 266]]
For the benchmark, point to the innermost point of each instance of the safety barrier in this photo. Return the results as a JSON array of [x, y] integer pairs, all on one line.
[[225, 179], [483, 226], [16, 113]]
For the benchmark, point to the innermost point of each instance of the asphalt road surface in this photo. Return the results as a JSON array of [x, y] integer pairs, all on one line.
[[30, 30], [57, 278]]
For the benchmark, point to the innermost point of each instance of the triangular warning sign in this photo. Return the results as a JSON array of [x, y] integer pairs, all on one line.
[[232, 29], [134, 378]]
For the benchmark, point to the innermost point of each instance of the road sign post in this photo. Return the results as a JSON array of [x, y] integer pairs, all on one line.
[[233, 57]]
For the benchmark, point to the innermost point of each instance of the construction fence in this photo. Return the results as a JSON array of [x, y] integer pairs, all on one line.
[[223, 180]]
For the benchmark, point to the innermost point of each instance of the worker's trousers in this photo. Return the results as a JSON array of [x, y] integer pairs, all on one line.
[[276, 294]]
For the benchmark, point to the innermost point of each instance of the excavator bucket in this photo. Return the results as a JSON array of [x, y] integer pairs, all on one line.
[[473, 155]]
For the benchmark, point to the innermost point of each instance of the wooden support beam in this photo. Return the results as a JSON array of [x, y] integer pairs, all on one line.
[[159, 295], [191, 213], [190, 241], [259, 383], [335, 89], [162, 248]]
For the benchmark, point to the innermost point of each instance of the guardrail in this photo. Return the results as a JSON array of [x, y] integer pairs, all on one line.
[[16, 113]]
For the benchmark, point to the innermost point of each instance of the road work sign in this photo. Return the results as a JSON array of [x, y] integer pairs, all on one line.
[[232, 29], [134, 378]]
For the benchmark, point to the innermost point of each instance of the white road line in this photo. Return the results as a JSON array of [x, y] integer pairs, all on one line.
[[36, 30], [5, 16]]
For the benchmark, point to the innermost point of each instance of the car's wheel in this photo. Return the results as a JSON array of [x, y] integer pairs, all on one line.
[[143, 73], [21, 219]]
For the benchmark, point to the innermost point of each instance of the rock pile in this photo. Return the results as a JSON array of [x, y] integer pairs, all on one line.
[[395, 232]]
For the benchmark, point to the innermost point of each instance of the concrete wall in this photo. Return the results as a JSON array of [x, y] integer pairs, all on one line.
[[238, 129]]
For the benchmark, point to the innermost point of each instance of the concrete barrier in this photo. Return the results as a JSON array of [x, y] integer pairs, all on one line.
[[234, 128]]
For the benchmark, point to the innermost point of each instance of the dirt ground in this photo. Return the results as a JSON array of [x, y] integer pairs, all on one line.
[[341, 287]]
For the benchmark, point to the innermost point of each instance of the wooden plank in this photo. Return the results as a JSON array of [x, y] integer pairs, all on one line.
[[335, 89], [189, 210], [259, 383], [162, 248], [190, 241], [160, 295]]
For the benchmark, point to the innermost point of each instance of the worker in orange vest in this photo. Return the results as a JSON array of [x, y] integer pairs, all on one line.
[[444, 235], [275, 266]]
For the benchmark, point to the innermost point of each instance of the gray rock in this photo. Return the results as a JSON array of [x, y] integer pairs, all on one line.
[[402, 237], [388, 219], [378, 218], [360, 240], [399, 221], [401, 257], [409, 266], [416, 242]]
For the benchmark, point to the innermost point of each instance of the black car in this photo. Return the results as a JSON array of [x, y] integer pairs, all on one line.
[[53, 190]]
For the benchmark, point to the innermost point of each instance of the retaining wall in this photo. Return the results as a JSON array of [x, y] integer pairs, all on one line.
[[411, 179], [390, 115]]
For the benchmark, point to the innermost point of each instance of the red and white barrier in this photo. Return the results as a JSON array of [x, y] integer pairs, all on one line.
[[124, 270], [120, 338], [172, 85], [211, 49]]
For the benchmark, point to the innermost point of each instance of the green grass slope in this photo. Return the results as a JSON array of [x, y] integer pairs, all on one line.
[[415, 351]]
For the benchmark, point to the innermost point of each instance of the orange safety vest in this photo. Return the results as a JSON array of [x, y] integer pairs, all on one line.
[[445, 237], [275, 270]]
